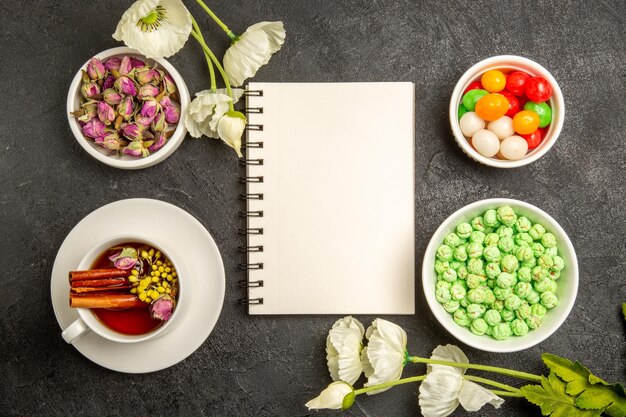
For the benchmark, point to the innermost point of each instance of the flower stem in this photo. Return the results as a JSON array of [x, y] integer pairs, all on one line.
[[196, 29], [492, 383], [503, 371], [217, 20], [508, 394], [389, 384], [210, 53]]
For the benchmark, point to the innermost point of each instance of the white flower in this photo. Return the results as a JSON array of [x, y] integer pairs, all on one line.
[[444, 388], [383, 358], [206, 110], [156, 28], [332, 397], [230, 128], [343, 350], [252, 50]]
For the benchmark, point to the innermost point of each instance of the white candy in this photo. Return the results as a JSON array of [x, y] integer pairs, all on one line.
[[514, 148], [486, 143], [502, 127], [470, 123]]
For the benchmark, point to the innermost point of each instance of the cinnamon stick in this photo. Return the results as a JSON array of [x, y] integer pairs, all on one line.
[[98, 274], [104, 282], [81, 290], [112, 300]]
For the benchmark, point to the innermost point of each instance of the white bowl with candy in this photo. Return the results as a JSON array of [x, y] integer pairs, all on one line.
[[126, 110], [506, 111], [500, 275]]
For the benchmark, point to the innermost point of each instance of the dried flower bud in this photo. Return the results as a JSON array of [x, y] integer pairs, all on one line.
[[162, 308], [132, 131], [126, 85], [171, 109], [147, 113], [111, 96], [125, 65], [113, 63], [105, 113], [159, 123], [136, 63], [147, 75], [93, 128], [109, 82], [90, 90], [136, 148], [168, 84], [110, 140], [159, 140], [126, 108], [146, 91], [96, 69], [88, 110]]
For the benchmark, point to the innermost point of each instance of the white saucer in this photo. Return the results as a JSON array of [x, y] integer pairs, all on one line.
[[195, 247]]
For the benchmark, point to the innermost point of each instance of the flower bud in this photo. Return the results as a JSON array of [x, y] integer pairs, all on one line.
[[172, 111], [109, 82], [159, 123], [168, 84], [125, 85], [126, 108], [146, 91], [148, 112], [136, 63], [111, 96], [162, 308], [147, 75], [135, 148], [90, 90], [89, 110], [113, 63], [93, 128], [105, 113], [159, 141], [132, 131], [110, 140], [96, 69], [125, 65], [230, 129]]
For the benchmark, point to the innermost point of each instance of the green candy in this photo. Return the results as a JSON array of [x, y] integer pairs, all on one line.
[[441, 266], [505, 244], [502, 293], [449, 275], [492, 254], [462, 110], [457, 292], [542, 109], [538, 249], [442, 295], [537, 231], [461, 318], [504, 280], [443, 284], [522, 224], [471, 98], [464, 302], [523, 238], [524, 311], [507, 315], [476, 296], [507, 216], [475, 311], [477, 237], [475, 266], [453, 240], [501, 331], [474, 250], [539, 273], [489, 331], [545, 285], [534, 321], [555, 275], [491, 239], [558, 264], [462, 272], [533, 297], [492, 270], [548, 240], [460, 253], [473, 281], [524, 274], [479, 326], [549, 300], [478, 224], [490, 297], [490, 218], [464, 230], [523, 289], [505, 231], [444, 253], [553, 251], [509, 263], [519, 327], [530, 263], [512, 302], [538, 310], [456, 265], [451, 306], [545, 261], [524, 253], [498, 305], [492, 317]]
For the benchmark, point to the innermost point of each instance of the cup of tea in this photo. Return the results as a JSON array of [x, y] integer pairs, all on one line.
[[127, 290]]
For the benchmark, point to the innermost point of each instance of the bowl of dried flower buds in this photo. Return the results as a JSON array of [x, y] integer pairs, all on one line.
[[126, 110]]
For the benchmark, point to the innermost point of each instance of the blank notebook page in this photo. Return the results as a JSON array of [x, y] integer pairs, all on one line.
[[337, 198]]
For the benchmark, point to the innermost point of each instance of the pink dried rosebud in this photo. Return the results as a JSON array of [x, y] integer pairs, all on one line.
[[147, 75], [171, 109], [96, 69], [125, 85], [94, 128], [159, 124], [126, 108], [125, 65], [110, 140], [89, 110], [113, 63], [108, 82], [162, 308], [146, 91], [90, 90], [159, 141], [136, 63], [111, 96], [132, 131], [105, 113], [135, 148], [148, 112], [169, 84]]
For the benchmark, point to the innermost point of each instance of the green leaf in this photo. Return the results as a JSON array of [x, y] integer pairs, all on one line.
[[553, 400], [574, 373]]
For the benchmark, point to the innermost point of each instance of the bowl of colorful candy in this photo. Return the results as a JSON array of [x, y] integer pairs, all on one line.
[[500, 275], [506, 111], [126, 110]]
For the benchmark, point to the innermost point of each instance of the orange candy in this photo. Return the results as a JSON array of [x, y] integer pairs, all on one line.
[[493, 81], [492, 107], [525, 122]]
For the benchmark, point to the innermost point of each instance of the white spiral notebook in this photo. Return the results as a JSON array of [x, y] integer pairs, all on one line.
[[330, 198]]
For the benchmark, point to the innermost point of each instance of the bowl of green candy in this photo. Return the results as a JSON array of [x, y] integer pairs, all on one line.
[[500, 275]]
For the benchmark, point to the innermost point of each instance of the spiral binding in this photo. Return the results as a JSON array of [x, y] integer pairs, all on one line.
[[247, 266]]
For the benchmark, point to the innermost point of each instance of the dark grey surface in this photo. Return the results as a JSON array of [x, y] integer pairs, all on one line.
[[270, 366]]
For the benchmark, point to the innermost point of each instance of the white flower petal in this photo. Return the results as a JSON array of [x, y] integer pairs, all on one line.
[[244, 58], [385, 352], [368, 370], [230, 129], [332, 360], [439, 393], [275, 33], [343, 348], [450, 353], [473, 396], [331, 398], [192, 127]]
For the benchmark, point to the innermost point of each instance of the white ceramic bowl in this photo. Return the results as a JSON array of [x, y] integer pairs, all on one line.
[[508, 63], [126, 161], [567, 283]]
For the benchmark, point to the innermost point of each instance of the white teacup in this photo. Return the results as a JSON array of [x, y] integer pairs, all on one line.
[[89, 322]]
